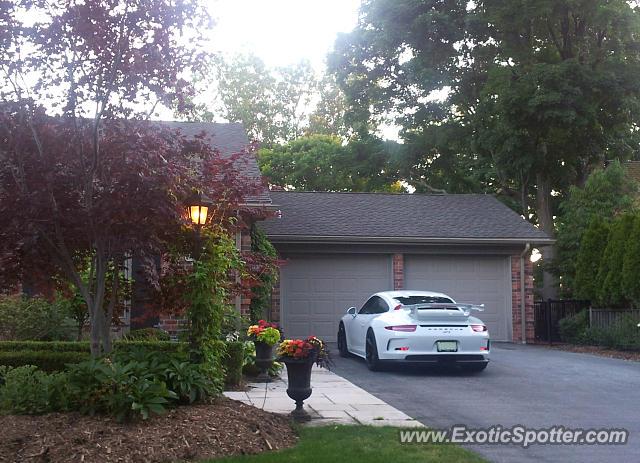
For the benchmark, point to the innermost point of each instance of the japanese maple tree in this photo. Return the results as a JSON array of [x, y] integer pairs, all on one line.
[[85, 179]]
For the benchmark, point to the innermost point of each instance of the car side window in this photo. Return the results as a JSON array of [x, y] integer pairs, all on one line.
[[374, 305], [380, 306], [368, 306]]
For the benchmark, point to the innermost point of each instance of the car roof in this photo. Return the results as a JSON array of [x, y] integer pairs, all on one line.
[[409, 293]]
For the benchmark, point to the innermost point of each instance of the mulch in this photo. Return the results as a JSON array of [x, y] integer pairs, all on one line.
[[633, 356], [225, 427]]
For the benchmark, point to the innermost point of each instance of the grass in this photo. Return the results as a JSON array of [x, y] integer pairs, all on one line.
[[330, 444]]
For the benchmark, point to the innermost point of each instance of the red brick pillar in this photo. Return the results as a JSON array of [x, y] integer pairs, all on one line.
[[516, 299], [398, 271]]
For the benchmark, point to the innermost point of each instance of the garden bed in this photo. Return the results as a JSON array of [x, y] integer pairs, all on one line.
[[633, 356], [226, 427]]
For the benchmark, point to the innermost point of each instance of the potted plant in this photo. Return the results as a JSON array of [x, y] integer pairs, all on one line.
[[264, 336], [299, 356]]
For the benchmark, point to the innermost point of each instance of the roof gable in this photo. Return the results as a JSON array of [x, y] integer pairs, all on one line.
[[228, 139], [403, 217]]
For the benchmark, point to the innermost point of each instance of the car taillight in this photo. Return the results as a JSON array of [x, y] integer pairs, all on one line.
[[478, 328], [405, 328], [398, 307], [402, 348]]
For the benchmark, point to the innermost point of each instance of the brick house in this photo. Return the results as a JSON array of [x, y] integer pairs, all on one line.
[[342, 247]]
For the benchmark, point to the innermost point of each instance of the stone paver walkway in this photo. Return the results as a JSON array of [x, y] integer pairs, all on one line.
[[333, 400]]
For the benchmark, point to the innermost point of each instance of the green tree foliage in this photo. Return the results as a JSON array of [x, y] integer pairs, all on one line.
[[262, 292], [324, 163], [589, 257], [631, 265], [524, 94], [274, 105], [33, 319], [610, 272], [606, 193]]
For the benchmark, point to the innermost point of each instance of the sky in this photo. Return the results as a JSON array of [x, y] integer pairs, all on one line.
[[281, 32]]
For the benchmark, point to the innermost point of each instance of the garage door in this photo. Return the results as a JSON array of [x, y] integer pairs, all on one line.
[[471, 279], [315, 291]]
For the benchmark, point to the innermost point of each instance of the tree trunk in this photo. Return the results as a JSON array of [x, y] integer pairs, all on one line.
[[545, 220]]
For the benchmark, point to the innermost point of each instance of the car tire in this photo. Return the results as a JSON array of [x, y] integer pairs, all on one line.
[[371, 352], [343, 349]]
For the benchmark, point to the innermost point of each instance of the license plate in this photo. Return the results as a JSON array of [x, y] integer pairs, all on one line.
[[447, 346]]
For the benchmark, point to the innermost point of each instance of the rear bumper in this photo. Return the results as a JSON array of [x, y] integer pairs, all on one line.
[[441, 359]]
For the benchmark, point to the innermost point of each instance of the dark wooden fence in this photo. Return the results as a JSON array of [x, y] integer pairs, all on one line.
[[547, 314], [606, 317]]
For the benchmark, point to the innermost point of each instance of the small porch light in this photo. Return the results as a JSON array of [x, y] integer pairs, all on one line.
[[198, 214]]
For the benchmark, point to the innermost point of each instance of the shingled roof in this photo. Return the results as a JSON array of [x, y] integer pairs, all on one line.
[[398, 217], [228, 139]]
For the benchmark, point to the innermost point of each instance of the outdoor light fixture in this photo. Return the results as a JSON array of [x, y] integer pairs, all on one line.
[[198, 214]]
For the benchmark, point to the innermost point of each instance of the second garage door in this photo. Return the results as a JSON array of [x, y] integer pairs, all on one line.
[[468, 279], [316, 290]]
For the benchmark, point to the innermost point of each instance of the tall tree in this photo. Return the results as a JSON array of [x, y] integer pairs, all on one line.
[[274, 105], [323, 163], [606, 194], [610, 289], [589, 256], [536, 90], [81, 191]]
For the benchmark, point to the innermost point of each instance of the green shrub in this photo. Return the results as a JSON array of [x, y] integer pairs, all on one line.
[[35, 319], [123, 389], [158, 346], [53, 356], [27, 390], [136, 382], [261, 301], [609, 279], [48, 361], [592, 246], [622, 335], [147, 334], [631, 265], [51, 346], [573, 327], [233, 362]]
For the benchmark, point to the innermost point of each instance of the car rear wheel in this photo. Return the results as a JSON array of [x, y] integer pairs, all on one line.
[[342, 341], [371, 352]]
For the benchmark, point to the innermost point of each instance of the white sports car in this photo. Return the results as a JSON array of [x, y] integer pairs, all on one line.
[[415, 326]]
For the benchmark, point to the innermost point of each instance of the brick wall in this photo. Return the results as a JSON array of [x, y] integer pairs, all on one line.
[[398, 271], [516, 299]]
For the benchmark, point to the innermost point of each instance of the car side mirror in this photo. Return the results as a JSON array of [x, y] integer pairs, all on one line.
[[351, 311]]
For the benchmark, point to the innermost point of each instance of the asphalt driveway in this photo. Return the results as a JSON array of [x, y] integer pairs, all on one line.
[[523, 385]]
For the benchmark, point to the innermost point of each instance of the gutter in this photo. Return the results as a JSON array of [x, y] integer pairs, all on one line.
[[308, 239], [523, 293]]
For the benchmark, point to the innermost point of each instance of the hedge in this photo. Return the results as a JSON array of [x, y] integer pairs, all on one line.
[[233, 362], [53, 356], [48, 361], [83, 346]]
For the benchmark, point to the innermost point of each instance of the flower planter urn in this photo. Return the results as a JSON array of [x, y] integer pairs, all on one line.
[[299, 389], [264, 359]]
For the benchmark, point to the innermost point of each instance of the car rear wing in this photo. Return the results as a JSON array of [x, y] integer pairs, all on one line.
[[465, 308]]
